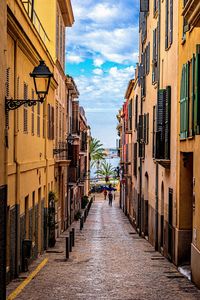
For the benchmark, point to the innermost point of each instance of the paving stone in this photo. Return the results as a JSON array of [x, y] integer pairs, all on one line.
[[107, 263]]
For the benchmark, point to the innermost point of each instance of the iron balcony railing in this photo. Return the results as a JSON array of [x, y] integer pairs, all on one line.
[[61, 151], [29, 7]]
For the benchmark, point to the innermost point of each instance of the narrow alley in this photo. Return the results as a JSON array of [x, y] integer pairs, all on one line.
[[109, 261]]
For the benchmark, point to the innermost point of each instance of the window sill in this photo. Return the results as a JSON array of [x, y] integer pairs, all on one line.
[[155, 14], [169, 47], [183, 40]]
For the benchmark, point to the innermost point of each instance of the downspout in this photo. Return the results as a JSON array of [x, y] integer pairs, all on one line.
[[140, 187], [157, 167], [18, 172]]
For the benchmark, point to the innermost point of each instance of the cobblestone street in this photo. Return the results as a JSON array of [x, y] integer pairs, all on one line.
[[109, 261]]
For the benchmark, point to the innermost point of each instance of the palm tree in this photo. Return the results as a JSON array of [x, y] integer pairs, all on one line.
[[96, 152], [106, 170]]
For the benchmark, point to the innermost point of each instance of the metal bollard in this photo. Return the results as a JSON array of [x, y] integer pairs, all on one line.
[[70, 241], [81, 223], [73, 237], [67, 247]]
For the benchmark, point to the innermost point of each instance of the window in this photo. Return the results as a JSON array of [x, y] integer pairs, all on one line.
[[146, 128], [136, 111], [43, 121], [130, 115], [50, 120], [25, 108], [147, 59], [144, 5], [32, 116], [155, 6], [135, 159], [162, 150], [143, 26], [38, 119], [33, 216], [7, 87], [168, 23], [155, 56], [154, 130], [57, 33], [26, 217], [189, 97]]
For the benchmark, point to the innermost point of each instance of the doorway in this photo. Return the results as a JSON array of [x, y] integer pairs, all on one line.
[[170, 225]]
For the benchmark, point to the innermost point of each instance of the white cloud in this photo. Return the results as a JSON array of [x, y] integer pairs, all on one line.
[[114, 45], [73, 58], [104, 12], [98, 71], [98, 62]]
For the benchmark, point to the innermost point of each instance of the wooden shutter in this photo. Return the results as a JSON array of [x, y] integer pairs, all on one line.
[[38, 119], [154, 129], [148, 59], [160, 134], [140, 128], [144, 5], [130, 114], [136, 112], [147, 125], [143, 24], [167, 122], [171, 23], [49, 121], [161, 110], [193, 96], [25, 108], [145, 128], [166, 23], [184, 102], [52, 123], [135, 160], [197, 92]]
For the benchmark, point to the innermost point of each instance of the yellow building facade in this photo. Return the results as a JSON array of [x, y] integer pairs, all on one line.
[[3, 177], [188, 191], [31, 130]]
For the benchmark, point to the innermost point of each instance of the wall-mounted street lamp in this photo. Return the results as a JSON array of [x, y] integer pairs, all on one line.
[[70, 139], [39, 74]]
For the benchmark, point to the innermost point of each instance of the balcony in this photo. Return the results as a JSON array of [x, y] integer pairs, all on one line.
[[61, 155], [29, 7], [72, 175], [83, 148], [191, 12], [162, 155]]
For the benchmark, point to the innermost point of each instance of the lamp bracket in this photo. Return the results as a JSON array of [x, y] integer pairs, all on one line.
[[57, 151], [12, 104]]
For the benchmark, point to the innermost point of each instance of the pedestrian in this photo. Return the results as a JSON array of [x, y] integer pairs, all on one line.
[[110, 197], [105, 194]]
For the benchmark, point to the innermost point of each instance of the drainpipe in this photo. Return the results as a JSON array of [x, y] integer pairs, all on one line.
[[157, 167], [18, 172]]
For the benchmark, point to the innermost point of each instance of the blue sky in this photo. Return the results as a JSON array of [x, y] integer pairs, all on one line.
[[102, 49]]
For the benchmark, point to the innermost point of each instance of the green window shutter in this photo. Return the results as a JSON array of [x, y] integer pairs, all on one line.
[[184, 103], [167, 122], [187, 100], [193, 97], [197, 93]]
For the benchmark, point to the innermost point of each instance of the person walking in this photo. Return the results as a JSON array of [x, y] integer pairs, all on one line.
[[110, 197], [105, 194]]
